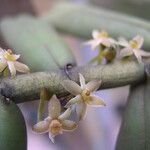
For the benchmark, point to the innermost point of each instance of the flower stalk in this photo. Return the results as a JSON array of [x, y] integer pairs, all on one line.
[[44, 96]]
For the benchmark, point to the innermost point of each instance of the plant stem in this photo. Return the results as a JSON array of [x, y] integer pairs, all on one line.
[[27, 87]]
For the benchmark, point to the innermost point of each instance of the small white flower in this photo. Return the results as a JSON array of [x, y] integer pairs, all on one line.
[[55, 123], [83, 95], [100, 38], [8, 59], [133, 47]]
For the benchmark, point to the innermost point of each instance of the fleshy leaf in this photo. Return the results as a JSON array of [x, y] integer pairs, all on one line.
[[12, 127], [88, 18], [40, 46], [135, 130]]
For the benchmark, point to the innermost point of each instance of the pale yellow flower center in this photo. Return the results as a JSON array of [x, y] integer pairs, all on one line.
[[103, 34], [55, 127], [85, 94], [8, 55], [133, 44]]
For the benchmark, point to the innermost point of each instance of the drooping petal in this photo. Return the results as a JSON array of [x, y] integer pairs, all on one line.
[[95, 101], [41, 127], [144, 53], [12, 68], [51, 137], [137, 55], [123, 42], [74, 101], [93, 85], [95, 34], [82, 81], [140, 40], [54, 107], [126, 52], [71, 87], [21, 67], [2, 66], [81, 110], [68, 125], [65, 115]]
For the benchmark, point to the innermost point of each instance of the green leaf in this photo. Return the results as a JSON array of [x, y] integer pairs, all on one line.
[[38, 43], [12, 127], [81, 20], [135, 130]]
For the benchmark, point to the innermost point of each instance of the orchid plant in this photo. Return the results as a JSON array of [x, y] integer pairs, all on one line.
[[56, 122], [66, 89], [82, 95]]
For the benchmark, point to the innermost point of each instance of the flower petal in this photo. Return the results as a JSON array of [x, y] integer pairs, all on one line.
[[21, 67], [81, 110], [71, 87], [68, 125], [12, 68], [126, 52], [65, 115], [93, 85], [95, 101], [123, 42], [140, 40], [93, 43], [54, 107], [51, 137], [137, 55], [73, 101], [144, 53], [95, 34], [41, 127], [108, 42], [82, 81], [16, 56]]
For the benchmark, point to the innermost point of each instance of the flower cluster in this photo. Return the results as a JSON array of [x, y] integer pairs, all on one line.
[[56, 122], [9, 60], [108, 47]]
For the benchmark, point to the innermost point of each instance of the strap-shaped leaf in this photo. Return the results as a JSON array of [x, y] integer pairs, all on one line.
[[80, 20], [12, 127], [39, 45], [135, 130]]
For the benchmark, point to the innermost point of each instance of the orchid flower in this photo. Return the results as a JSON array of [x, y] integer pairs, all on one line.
[[8, 59], [55, 123], [133, 47], [83, 94], [100, 38]]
